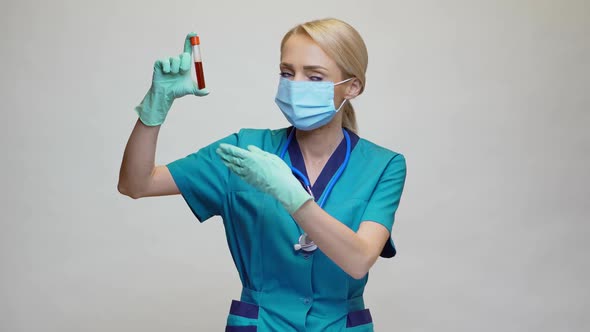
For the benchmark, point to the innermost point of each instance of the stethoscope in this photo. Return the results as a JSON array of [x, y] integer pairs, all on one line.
[[305, 243]]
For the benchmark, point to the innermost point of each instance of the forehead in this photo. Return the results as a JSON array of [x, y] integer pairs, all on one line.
[[301, 50]]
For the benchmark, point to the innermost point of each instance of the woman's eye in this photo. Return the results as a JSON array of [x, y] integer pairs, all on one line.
[[284, 74], [315, 78]]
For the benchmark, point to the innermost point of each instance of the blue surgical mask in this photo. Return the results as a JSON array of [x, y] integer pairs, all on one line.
[[307, 105]]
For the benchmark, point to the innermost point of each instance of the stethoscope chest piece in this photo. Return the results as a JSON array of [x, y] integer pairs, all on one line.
[[305, 244]]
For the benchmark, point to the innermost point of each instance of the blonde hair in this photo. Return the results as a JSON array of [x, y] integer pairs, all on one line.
[[345, 45]]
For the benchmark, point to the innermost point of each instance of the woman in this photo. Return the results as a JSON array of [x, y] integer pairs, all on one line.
[[307, 209]]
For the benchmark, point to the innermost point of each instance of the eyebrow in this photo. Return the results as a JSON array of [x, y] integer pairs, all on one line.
[[304, 67]]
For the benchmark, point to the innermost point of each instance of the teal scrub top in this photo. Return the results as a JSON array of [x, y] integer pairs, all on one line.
[[284, 289]]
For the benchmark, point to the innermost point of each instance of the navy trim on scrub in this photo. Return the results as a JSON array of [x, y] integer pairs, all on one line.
[[357, 318], [328, 172], [331, 167], [244, 309]]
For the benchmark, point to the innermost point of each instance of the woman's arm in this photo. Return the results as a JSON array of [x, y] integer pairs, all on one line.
[[139, 177], [354, 252]]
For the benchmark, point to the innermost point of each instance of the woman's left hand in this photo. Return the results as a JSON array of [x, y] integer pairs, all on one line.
[[267, 172]]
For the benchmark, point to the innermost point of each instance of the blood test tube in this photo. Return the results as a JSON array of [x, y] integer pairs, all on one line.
[[195, 42]]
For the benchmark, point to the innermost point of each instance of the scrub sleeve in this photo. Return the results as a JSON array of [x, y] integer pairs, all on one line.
[[385, 199], [202, 179]]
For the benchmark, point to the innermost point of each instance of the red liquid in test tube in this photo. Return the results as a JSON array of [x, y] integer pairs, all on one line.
[[195, 42]]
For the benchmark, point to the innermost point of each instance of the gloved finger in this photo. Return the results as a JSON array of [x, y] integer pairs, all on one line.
[[234, 151], [164, 64], [200, 93], [234, 168], [174, 64], [185, 62], [187, 43], [221, 153], [255, 149], [229, 165], [229, 159]]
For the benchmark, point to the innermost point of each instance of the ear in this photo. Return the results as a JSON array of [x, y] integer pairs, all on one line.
[[353, 89]]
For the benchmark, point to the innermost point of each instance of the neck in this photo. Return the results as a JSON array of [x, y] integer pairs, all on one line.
[[319, 144]]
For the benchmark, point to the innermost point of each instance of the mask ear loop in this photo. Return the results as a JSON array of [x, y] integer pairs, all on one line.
[[345, 100], [346, 80]]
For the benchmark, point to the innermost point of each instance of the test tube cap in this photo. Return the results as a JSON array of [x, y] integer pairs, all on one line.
[[195, 40]]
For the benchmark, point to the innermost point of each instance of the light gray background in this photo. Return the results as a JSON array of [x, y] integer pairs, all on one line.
[[488, 100]]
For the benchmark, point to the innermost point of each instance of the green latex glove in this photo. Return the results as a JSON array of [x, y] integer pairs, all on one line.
[[267, 172], [171, 79]]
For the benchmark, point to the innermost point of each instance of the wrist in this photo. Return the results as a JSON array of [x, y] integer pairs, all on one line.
[[154, 107], [294, 200]]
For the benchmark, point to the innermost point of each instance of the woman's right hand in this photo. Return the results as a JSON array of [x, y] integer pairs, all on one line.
[[171, 79]]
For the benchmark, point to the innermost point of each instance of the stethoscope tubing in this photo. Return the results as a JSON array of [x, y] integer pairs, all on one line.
[[303, 244], [333, 180]]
